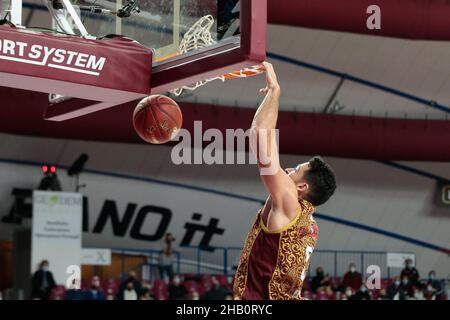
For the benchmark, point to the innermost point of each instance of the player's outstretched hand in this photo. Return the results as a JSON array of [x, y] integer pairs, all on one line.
[[271, 78]]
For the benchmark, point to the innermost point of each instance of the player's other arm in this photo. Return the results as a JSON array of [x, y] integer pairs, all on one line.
[[263, 140]]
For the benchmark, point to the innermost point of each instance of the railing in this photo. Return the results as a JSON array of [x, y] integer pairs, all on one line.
[[224, 260]]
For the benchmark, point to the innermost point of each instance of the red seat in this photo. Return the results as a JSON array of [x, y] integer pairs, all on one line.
[[58, 293], [321, 296], [222, 279], [191, 286], [159, 285], [111, 284], [385, 283], [161, 294]]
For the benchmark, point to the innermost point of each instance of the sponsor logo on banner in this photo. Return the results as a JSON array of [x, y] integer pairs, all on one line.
[[56, 58]]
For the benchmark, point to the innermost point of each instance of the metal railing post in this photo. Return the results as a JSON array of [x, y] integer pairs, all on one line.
[[198, 260], [335, 264], [225, 261]]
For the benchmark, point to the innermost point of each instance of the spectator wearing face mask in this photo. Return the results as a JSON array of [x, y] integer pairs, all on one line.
[[411, 273], [361, 294], [433, 286], [176, 290], [130, 292], [407, 287], [393, 292], [137, 286], [95, 292], [417, 294], [42, 282], [352, 278], [348, 293], [195, 295]]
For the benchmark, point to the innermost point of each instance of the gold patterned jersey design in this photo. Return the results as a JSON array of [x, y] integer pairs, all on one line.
[[296, 244]]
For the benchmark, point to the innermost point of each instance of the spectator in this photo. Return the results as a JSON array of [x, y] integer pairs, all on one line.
[[352, 278], [109, 294], [417, 294], [433, 285], [217, 291], [130, 292], [146, 294], [411, 273], [320, 280], [406, 286], [382, 295], [95, 292], [166, 258], [347, 294], [42, 282], [361, 294], [393, 292], [195, 295], [176, 290], [136, 284]]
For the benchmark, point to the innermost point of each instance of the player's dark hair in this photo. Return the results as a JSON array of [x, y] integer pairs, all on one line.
[[321, 180]]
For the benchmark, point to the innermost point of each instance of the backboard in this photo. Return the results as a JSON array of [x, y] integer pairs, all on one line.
[[236, 32]]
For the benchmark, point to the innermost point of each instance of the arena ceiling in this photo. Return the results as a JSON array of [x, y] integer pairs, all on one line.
[[397, 78]]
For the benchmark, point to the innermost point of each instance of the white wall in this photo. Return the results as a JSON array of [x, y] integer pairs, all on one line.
[[368, 193]]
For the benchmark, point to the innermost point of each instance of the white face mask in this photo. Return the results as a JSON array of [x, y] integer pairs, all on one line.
[[397, 283], [352, 269], [348, 293]]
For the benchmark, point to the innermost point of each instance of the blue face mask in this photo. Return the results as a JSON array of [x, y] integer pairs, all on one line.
[[44, 269]]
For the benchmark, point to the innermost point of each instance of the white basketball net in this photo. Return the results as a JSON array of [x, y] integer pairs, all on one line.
[[198, 37]]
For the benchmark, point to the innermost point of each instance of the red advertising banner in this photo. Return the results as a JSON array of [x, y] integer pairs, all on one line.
[[111, 70]]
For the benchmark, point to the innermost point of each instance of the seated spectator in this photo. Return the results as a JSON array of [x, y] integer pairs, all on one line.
[[417, 294], [407, 287], [411, 273], [348, 293], [433, 285], [195, 295], [109, 294], [135, 283], [130, 293], [352, 278], [382, 294], [75, 294], [320, 280], [146, 294], [393, 291], [361, 294], [42, 282], [176, 290], [95, 292], [217, 291]]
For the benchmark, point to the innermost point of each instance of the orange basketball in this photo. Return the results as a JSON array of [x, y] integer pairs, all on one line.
[[157, 119]]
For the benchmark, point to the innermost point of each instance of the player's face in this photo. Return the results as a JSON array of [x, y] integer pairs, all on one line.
[[297, 173]]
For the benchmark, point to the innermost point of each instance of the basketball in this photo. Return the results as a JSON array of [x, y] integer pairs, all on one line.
[[157, 119]]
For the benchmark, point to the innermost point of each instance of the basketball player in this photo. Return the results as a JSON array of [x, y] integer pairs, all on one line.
[[277, 251]]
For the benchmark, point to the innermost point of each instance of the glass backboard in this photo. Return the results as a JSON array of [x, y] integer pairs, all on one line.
[[161, 24], [236, 28]]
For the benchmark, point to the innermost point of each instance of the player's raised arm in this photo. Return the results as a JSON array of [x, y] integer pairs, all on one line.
[[264, 145]]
